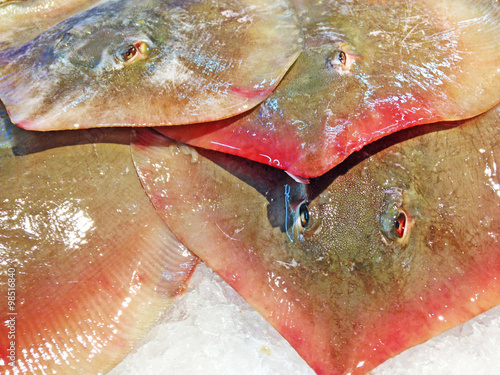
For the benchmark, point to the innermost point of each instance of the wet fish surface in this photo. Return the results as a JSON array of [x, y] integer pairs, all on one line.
[[23, 20], [369, 68], [87, 265], [154, 62], [392, 247]]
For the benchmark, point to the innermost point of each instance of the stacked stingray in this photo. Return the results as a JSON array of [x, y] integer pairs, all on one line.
[[352, 256]]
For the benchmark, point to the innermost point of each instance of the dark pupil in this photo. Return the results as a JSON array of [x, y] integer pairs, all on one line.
[[130, 53], [400, 224], [342, 57], [304, 215]]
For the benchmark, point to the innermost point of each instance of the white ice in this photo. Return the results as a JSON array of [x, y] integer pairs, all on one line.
[[212, 331]]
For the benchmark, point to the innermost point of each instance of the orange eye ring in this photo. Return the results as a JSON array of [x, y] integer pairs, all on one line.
[[400, 225], [130, 53]]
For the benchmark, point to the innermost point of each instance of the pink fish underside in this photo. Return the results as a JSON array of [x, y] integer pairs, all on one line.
[[87, 263], [399, 245], [369, 68], [149, 63]]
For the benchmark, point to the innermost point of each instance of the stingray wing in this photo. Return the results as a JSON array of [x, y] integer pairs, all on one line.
[[374, 257], [156, 62], [21, 21], [87, 265], [369, 68]]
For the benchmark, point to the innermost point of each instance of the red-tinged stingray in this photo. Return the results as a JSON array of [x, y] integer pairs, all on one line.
[[21, 21], [370, 68], [395, 245], [153, 62], [86, 264]]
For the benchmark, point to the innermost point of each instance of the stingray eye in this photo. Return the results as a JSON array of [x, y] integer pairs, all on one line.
[[394, 224], [338, 59], [126, 53], [129, 54], [304, 215], [343, 59], [400, 225], [132, 52], [302, 221]]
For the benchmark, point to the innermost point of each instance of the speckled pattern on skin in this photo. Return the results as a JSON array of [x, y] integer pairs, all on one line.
[[359, 283], [369, 68]]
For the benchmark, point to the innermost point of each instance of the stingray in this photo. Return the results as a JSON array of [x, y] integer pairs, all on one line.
[[155, 62], [369, 68], [21, 21], [390, 248], [87, 265]]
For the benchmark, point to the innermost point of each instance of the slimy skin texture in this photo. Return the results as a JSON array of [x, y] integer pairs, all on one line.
[[154, 62], [356, 283], [23, 20], [369, 68], [87, 262]]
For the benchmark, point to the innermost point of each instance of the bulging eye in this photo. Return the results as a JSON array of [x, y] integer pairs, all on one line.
[[342, 58], [132, 52], [302, 220], [129, 54], [400, 225], [339, 58], [394, 221], [394, 224], [303, 215]]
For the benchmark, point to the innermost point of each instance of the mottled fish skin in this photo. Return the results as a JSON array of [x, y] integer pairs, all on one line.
[[21, 21], [392, 247], [369, 68], [154, 62], [87, 262]]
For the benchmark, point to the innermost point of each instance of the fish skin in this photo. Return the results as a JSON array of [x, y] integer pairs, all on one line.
[[407, 63], [21, 21], [346, 292], [195, 61], [94, 264]]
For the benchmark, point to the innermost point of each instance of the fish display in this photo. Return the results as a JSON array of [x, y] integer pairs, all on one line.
[[311, 191], [87, 265], [154, 62], [369, 68], [394, 246], [211, 330]]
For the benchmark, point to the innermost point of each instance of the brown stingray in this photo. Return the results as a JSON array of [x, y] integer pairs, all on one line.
[[21, 21], [152, 62], [392, 247], [86, 264], [370, 68]]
